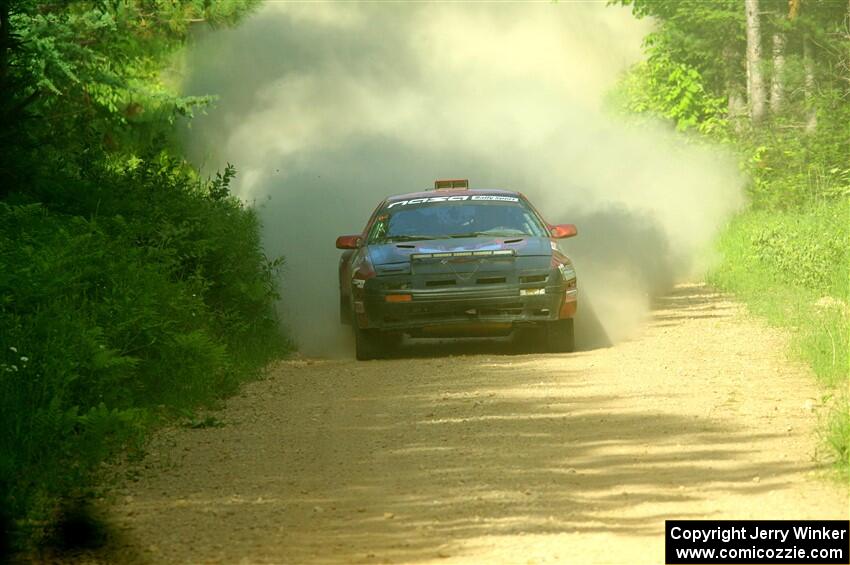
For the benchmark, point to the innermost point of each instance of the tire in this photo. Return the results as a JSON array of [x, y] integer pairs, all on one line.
[[374, 344], [560, 336], [368, 344], [344, 310]]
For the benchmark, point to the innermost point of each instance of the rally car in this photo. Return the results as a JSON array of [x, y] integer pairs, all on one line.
[[454, 261]]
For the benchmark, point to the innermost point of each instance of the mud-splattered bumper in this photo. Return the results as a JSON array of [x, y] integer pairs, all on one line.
[[497, 306]]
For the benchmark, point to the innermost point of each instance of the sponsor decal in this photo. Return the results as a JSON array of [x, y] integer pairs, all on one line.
[[495, 197], [433, 199], [460, 248], [473, 254]]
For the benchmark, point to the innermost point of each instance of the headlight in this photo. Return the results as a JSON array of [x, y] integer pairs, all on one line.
[[531, 291]]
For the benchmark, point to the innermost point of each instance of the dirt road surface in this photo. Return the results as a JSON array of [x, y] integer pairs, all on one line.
[[444, 457]]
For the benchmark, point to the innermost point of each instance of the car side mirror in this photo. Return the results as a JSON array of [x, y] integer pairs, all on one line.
[[348, 241], [563, 230]]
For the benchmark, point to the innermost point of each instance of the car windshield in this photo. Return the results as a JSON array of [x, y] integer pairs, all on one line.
[[412, 220]]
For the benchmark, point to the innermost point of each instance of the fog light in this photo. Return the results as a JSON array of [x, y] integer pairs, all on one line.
[[398, 297], [531, 291]]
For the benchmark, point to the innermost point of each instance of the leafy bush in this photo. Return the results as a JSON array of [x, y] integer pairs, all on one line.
[[662, 88], [128, 287], [790, 171], [807, 249], [148, 290]]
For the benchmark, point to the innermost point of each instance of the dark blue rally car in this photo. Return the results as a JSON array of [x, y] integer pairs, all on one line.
[[456, 262]]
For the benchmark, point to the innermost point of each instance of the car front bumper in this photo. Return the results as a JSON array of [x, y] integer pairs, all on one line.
[[502, 306]]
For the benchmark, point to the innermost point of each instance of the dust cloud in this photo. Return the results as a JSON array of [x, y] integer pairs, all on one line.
[[325, 108]]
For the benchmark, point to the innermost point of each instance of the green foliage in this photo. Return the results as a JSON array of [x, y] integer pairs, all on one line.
[[705, 37], [789, 169], [837, 434], [695, 77], [809, 249], [130, 290], [163, 299], [77, 76], [787, 256], [661, 88], [793, 268]]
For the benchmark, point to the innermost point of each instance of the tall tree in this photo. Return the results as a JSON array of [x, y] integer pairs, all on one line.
[[809, 84], [755, 80], [777, 76], [777, 82], [736, 103], [808, 70]]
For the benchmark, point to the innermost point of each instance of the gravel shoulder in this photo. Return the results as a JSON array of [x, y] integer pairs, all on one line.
[[457, 454]]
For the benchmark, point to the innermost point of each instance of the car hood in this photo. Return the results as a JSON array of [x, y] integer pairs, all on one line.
[[400, 252]]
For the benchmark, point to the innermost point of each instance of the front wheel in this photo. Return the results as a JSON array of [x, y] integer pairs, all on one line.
[[373, 344], [560, 336]]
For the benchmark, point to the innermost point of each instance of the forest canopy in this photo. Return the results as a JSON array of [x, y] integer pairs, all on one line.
[[771, 76]]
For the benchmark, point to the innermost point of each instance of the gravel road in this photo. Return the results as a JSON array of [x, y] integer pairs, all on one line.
[[460, 454]]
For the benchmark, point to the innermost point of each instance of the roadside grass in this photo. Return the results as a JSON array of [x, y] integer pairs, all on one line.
[[793, 269]]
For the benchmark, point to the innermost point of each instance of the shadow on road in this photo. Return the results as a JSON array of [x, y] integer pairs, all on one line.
[[420, 458], [509, 451]]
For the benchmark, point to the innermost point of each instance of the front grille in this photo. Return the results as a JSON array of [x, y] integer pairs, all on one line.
[[444, 282], [424, 313], [505, 311]]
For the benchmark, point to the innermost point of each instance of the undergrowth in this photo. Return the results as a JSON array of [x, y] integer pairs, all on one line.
[[793, 268], [126, 298]]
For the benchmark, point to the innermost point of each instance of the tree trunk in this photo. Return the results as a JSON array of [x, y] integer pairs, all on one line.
[[755, 81], [809, 86], [736, 108], [777, 80], [793, 9], [4, 43], [737, 105]]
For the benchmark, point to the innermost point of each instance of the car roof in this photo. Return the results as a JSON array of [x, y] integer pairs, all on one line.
[[455, 192]]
